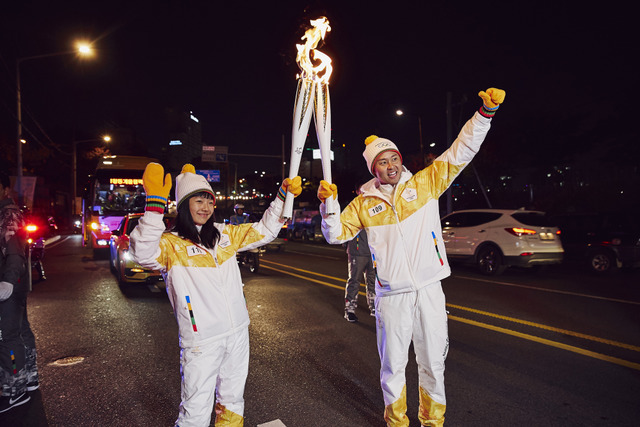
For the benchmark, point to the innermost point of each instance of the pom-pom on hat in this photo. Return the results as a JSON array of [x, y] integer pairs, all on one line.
[[189, 183], [376, 146]]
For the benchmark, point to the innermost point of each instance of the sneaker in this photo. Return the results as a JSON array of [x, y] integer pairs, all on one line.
[[351, 317], [8, 402], [33, 386]]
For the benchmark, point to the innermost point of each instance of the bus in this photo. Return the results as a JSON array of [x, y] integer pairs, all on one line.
[[114, 191]]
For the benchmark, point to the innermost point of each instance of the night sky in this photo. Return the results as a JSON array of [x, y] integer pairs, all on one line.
[[569, 72]]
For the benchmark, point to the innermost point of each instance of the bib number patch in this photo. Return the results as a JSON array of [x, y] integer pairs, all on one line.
[[195, 250], [377, 209]]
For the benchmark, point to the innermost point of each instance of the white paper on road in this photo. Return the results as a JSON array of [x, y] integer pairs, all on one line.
[[274, 423]]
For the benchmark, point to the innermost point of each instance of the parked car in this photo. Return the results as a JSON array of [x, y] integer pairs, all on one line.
[[121, 261], [278, 244], [494, 239], [305, 225], [603, 242]]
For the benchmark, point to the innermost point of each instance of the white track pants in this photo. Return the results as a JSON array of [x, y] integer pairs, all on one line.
[[419, 316], [220, 367]]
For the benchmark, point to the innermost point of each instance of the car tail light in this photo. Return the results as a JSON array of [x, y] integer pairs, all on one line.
[[517, 231], [31, 228]]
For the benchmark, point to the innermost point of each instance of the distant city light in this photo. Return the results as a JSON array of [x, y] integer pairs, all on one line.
[[316, 154], [192, 117], [175, 142]]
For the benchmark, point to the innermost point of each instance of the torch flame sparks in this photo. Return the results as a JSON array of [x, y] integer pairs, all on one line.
[[307, 53]]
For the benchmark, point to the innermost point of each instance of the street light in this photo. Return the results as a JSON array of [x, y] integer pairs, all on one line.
[[105, 138], [401, 113], [82, 49]]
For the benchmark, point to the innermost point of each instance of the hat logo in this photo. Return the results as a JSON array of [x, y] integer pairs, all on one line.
[[383, 144]]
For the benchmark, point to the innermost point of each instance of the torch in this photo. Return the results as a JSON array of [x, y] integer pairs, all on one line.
[[312, 98]]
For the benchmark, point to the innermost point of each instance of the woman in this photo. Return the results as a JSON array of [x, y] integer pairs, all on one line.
[[198, 262]]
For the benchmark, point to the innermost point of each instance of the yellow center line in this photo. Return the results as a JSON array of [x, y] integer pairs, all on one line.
[[573, 349], [549, 328]]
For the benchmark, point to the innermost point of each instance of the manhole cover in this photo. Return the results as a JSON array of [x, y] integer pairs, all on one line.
[[66, 361]]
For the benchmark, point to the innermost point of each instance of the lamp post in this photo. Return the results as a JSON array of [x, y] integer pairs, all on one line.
[[401, 113], [74, 177], [82, 49]]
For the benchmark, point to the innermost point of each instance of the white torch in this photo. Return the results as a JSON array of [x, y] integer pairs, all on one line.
[[312, 94]]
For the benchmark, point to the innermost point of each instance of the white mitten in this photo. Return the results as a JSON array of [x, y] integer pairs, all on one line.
[[6, 289]]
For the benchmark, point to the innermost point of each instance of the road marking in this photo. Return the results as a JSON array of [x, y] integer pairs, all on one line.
[[340, 279], [555, 344], [578, 350], [515, 285], [549, 328], [304, 277], [274, 423], [313, 255]]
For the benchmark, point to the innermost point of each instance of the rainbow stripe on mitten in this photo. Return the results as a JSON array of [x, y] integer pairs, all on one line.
[[282, 193], [488, 112], [156, 204]]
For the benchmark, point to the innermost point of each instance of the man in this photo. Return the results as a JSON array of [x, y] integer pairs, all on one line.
[[360, 265], [239, 217], [18, 370], [400, 213]]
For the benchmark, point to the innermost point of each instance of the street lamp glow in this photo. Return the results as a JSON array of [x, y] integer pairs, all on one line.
[[84, 48], [399, 112], [106, 138]]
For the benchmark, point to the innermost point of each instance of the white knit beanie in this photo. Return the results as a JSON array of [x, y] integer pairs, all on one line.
[[376, 146], [189, 183]]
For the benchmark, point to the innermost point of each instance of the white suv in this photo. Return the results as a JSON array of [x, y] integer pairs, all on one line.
[[495, 239]]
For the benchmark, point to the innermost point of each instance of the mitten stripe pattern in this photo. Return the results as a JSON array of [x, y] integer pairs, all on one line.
[[156, 204], [282, 194], [487, 111]]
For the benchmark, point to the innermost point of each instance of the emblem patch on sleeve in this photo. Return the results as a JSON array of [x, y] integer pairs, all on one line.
[[409, 194], [224, 240], [377, 209]]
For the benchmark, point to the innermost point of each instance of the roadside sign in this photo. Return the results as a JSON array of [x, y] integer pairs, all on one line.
[[211, 175], [214, 153]]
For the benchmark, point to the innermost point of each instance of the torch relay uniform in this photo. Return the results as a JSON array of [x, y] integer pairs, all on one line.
[[403, 226], [205, 289], [17, 343], [360, 265]]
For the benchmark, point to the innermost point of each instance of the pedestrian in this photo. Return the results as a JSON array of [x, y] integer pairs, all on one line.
[[18, 370], [360, 265], [198, 262], [240, 217], [401, 215]]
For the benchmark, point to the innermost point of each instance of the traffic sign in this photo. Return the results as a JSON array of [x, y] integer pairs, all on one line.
[[211, 175]]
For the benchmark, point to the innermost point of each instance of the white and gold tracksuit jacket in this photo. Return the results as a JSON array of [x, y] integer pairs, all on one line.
[[404, 230], [203, 285]]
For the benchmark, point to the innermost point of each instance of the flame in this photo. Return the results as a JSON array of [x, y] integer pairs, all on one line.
[[307, 53]]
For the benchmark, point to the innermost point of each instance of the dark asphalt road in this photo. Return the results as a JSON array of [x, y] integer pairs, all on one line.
[[309, 367]]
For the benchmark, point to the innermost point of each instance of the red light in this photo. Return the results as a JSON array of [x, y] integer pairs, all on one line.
[[517, 231], [558, 232], [526, 253], [31, 228]]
